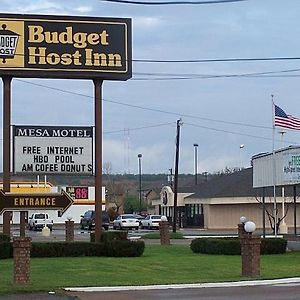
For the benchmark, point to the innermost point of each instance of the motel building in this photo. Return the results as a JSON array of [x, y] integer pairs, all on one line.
[[83, 196], [220, 202]]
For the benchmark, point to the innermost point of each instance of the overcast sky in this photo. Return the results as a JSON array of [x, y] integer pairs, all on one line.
[[219, 113]]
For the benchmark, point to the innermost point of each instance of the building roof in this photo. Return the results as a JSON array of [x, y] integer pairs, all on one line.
[[237, 184]]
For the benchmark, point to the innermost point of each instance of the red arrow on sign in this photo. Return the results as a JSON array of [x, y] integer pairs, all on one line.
[[15, 201]]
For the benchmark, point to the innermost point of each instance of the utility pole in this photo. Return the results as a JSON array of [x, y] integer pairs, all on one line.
[[196, 162], [179, 123]]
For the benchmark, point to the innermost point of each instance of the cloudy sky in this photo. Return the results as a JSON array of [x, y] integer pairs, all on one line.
[[223, 105]]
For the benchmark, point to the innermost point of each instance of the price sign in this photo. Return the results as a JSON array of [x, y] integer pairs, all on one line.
[[78, 192]]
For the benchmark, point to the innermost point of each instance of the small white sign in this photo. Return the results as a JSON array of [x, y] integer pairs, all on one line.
[[53, 150]]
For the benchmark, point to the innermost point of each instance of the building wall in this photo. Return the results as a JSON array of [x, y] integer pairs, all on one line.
[[228, 216]]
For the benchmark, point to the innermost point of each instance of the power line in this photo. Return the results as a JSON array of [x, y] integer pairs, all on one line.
[[172, 2], [149, 108], [216, 60], [138, 128], [237, 133]]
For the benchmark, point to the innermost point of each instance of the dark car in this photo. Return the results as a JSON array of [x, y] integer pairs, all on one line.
[[88, 220]]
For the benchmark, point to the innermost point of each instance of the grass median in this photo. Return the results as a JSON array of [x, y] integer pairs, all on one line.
[[158, 265]]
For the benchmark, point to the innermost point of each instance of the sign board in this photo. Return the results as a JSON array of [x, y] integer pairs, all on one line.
[[65, 47], [78, 192], [53, 150], [281, 168], [12, 201]]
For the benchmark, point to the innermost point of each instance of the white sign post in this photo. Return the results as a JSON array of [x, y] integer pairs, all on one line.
[[53, 150]]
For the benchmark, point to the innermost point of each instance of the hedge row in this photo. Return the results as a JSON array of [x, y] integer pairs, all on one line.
[[231, 246], [113, 244]]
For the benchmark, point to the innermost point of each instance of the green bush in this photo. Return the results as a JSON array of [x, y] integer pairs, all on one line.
[[108, 236], [6, 250], [59, 249], [125, 248], [231, 246], [4, 237], [273, 246], [156, 235], [226, 246]]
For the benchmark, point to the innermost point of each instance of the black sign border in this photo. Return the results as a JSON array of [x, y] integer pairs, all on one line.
[[72, 73]]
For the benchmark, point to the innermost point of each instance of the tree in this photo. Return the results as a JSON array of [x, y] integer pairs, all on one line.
[[114, 190], [132, 204], [273, 215]]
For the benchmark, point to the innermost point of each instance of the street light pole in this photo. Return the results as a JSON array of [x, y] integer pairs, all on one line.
[[140, 180], [179, 123], [241, 147], [196, 162]]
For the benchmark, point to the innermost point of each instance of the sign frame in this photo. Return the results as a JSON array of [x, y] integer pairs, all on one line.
[[85, 57], [49, 129]]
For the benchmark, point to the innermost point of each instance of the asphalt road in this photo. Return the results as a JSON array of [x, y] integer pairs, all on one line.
[[275, 292], [290, 291]]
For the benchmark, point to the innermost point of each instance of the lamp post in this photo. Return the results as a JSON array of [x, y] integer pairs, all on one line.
[[140, 180], [283, 227], [241, 147], [196, 162]]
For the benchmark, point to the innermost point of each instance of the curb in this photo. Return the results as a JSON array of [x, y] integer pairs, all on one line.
[[294, 280]]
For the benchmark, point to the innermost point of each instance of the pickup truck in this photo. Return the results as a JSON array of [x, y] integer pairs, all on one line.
[[39, 220]]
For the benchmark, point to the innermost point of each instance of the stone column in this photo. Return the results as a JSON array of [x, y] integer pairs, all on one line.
[[69, 231], [21, 253], [250, 252], [164, 233]]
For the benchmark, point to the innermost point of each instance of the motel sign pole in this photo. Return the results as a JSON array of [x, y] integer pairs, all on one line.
[[6, 145], [98, 159]]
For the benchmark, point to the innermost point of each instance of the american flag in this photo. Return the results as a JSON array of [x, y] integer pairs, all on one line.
[[284, 120]]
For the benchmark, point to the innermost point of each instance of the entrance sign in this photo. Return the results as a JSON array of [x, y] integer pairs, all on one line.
[[19, 202], [53, 150], [65, 47]]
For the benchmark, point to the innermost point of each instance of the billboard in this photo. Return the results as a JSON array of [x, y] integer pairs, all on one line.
[[65, 47], [280, 169], [53, 150]]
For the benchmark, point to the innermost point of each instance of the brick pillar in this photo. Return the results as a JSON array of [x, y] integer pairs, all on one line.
[[250, 252], [21, 252], [69, 231], [164, 233], [241, 231]]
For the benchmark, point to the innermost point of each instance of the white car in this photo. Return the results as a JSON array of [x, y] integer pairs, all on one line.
[[151, 221], [126, 221], [39, 220]]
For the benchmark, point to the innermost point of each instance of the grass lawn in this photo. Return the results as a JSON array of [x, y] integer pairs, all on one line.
[[158, 265]]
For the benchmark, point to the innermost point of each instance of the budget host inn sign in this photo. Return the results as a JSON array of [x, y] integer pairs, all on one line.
[[65, 47]]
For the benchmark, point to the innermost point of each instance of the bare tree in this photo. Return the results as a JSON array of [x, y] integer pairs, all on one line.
[[114, 191], [273, 215]]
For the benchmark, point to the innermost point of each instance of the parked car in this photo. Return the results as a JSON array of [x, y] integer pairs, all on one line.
[[126, 221], [88, 220], [151, 221], [139, 217], [39, 220]]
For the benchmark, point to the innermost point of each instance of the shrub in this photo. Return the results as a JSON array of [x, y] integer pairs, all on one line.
[[231, 246], [4, 237], [58, 249], [273, 246], [156, 235], [6, 250], [118, 248], [226, 246], [108, 236]]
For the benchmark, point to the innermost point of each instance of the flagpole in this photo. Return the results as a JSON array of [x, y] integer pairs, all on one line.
[[274, 168]]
